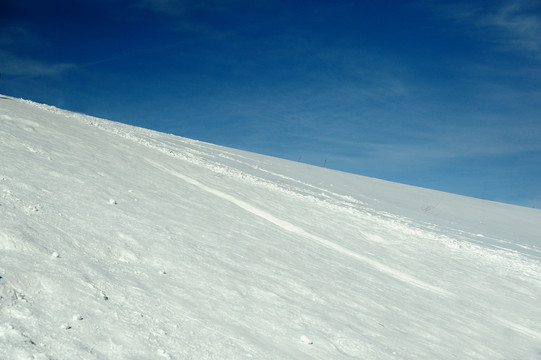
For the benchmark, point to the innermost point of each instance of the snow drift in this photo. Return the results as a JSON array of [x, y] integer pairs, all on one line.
[[118, 242]]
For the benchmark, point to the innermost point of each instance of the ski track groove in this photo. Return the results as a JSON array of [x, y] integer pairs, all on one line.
[[519, 328], [285, 225]]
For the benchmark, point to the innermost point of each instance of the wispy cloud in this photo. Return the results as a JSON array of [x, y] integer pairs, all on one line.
[[192, 16], [436, 148], [15, 65], [186, 7], [181, 12], [17, 37], [166, 7], [510, 25], [21, 36], [519, 27]]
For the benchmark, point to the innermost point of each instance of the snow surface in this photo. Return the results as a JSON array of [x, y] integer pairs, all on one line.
[[118, 242]]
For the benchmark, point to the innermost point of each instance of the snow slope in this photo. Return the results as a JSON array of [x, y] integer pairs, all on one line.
[[118, 242]]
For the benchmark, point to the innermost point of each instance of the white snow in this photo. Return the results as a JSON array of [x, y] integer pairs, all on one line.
[[118, 242], [305, 340]]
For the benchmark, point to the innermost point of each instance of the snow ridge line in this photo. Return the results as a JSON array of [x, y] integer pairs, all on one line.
[[149, 138], [301, 232], [146, 137], [233, 157], [154, 140]]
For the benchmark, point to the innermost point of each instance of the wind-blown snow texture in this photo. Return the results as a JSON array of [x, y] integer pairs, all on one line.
[[122, 243]]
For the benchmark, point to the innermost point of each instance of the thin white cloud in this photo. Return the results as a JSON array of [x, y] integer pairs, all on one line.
[[509, 25], [22, 37], [15, 65], [187, 7], [18, 35], [519, 27], [433, 144], [193, 16], [166, 7]]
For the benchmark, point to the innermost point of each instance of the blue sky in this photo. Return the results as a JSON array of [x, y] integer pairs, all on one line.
[[439, 94]]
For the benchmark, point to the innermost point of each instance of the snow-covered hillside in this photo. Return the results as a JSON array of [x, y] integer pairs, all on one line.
[[122, 243]]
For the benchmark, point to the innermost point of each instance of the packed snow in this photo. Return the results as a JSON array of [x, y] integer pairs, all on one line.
[[118, 242]]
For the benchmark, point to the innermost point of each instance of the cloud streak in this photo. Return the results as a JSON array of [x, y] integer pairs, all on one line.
[[520, 28], [193, 17], [510, 25], [19, 37], [19, 66]]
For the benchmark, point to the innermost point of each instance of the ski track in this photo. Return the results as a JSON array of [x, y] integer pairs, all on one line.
[[285, 225], [519, 328]]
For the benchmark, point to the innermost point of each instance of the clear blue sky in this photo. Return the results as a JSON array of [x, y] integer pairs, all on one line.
[[439, 94]]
